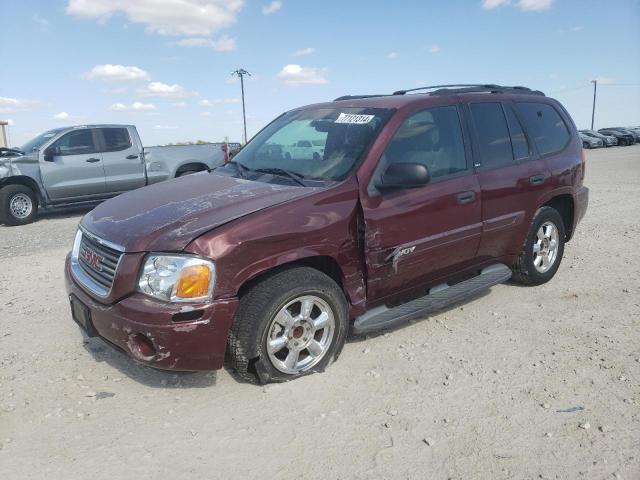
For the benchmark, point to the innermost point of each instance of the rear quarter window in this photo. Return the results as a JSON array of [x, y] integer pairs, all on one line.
[[545, 126]]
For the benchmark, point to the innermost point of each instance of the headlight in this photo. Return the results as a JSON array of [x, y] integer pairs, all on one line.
[[177, 278]]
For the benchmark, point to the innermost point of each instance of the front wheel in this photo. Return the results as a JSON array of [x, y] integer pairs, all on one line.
[[18, 205], [542, 250], [290, 324]]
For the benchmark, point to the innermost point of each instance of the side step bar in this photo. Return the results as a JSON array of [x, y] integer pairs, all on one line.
[[438, 298]]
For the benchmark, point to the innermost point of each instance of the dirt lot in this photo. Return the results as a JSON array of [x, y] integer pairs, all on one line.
[[480, 391]]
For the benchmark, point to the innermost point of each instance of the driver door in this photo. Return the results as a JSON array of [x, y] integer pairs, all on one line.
[[75, 169], [415, 236]]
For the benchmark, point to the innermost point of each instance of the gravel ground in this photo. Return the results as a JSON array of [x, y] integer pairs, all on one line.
[[520, 383]]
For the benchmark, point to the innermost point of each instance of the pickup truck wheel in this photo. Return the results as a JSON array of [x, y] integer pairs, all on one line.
[[18, 205], [291, 324], [542, 249]]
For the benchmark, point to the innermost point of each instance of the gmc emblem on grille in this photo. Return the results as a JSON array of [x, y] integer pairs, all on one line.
[[92, 259]]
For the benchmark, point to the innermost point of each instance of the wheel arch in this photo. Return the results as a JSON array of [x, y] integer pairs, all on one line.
[[565, 206], [27, 182], [191, 166]]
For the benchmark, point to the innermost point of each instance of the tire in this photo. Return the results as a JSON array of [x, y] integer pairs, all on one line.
[[260, 318], [287, 156], [316, 156], [525, 270], [186, 172], [18, 205], [586, 145]]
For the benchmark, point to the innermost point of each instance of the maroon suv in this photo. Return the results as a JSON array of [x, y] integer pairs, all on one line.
[[398, 205]]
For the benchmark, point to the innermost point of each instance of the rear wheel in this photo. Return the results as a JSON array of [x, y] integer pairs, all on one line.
[[291, 324], [542, 250], [18, 205], [586, 145]]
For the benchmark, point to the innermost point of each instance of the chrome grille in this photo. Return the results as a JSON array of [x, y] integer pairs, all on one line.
[[98, 261]]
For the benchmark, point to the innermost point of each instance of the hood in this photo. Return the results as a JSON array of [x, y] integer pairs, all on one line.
[[167, 216]]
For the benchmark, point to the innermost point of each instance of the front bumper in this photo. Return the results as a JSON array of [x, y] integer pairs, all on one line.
[[190, 345]]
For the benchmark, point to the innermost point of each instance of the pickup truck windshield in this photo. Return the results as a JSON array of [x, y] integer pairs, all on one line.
[[314, 144], [36, 143]]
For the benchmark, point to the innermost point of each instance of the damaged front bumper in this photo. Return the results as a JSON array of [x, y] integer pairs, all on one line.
[[161, 335]]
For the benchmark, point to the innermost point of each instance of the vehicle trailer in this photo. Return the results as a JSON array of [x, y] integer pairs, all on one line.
[[418, 202], [84, 165]]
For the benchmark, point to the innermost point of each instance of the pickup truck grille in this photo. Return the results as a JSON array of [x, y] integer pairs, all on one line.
[[98, 261]]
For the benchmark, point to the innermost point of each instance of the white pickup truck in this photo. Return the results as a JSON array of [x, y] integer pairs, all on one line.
[[88, 164], [304, 150]]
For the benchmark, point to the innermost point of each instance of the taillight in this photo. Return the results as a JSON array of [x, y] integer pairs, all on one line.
[[584, 164]]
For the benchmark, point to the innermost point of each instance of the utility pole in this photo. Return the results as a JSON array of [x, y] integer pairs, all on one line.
[[593, 110], [241, 72]]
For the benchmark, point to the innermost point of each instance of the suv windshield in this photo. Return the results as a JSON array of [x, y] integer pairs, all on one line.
[[36, 143], [313, 144]]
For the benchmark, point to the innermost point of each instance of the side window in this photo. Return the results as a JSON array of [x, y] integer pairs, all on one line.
[[518, 139], [493, 134], [77, 142], [115, 139], [432, 137], [545, 126]]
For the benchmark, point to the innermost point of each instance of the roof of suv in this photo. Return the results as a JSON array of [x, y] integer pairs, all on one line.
[[401, 98]]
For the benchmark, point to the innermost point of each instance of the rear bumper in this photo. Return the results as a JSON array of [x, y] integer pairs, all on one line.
[[177, 345]]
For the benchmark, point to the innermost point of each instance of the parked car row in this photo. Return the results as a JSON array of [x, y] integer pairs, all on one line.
[[610, 137]]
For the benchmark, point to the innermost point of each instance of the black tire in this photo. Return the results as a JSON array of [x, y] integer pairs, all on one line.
[[524, 270], [186, 172], [316, 156], [258, 307], [7, 195], [287, 156], [586, 145]]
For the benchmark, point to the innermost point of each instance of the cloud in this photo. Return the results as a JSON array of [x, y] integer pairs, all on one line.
[[273, 7], [524, 5], [159, 89], [12, 105], [219, 101], [137, 106], [179, 104], [223, 44], [10, 122], [61, 116], [605, 80], [165, 17], [166, 127], [296, 75], [42, 23], [116, 73], [435, 48], [205, 114], [392, 55], [304, 51]]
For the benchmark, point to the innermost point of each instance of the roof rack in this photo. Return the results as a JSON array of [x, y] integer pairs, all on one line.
[[471, 88], [355, 97]]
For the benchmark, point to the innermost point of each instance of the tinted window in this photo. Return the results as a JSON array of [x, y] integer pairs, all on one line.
[[432, 137], [518, 139], [493, 134], [116, 139], [545, 126], [77, 142]]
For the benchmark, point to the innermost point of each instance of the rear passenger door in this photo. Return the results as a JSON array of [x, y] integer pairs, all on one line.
[[512, 177], [122, 159]]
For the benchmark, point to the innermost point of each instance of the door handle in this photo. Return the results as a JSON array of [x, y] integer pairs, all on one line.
[[537, 180], [466, 197], [93, 160], [131, 157]]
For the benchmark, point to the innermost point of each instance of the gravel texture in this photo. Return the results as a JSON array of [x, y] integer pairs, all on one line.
[[520, 383]]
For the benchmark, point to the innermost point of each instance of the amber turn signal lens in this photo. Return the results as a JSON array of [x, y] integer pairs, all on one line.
[[193, 282]]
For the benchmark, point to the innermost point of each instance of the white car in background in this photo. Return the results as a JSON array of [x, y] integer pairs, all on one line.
[[304, 150]]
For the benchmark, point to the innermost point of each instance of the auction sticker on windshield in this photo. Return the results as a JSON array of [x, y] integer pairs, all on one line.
[[354, 118]]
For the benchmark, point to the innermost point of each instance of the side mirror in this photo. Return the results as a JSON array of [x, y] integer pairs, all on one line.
[[51, 152], [403, 175]]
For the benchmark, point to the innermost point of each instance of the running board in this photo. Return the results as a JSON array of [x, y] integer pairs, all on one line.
[[438, 298]]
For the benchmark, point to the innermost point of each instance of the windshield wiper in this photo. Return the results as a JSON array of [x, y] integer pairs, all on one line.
[[296, 177], [240, 168]]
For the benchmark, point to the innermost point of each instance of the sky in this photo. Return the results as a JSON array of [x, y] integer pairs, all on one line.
[[165, 65]]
